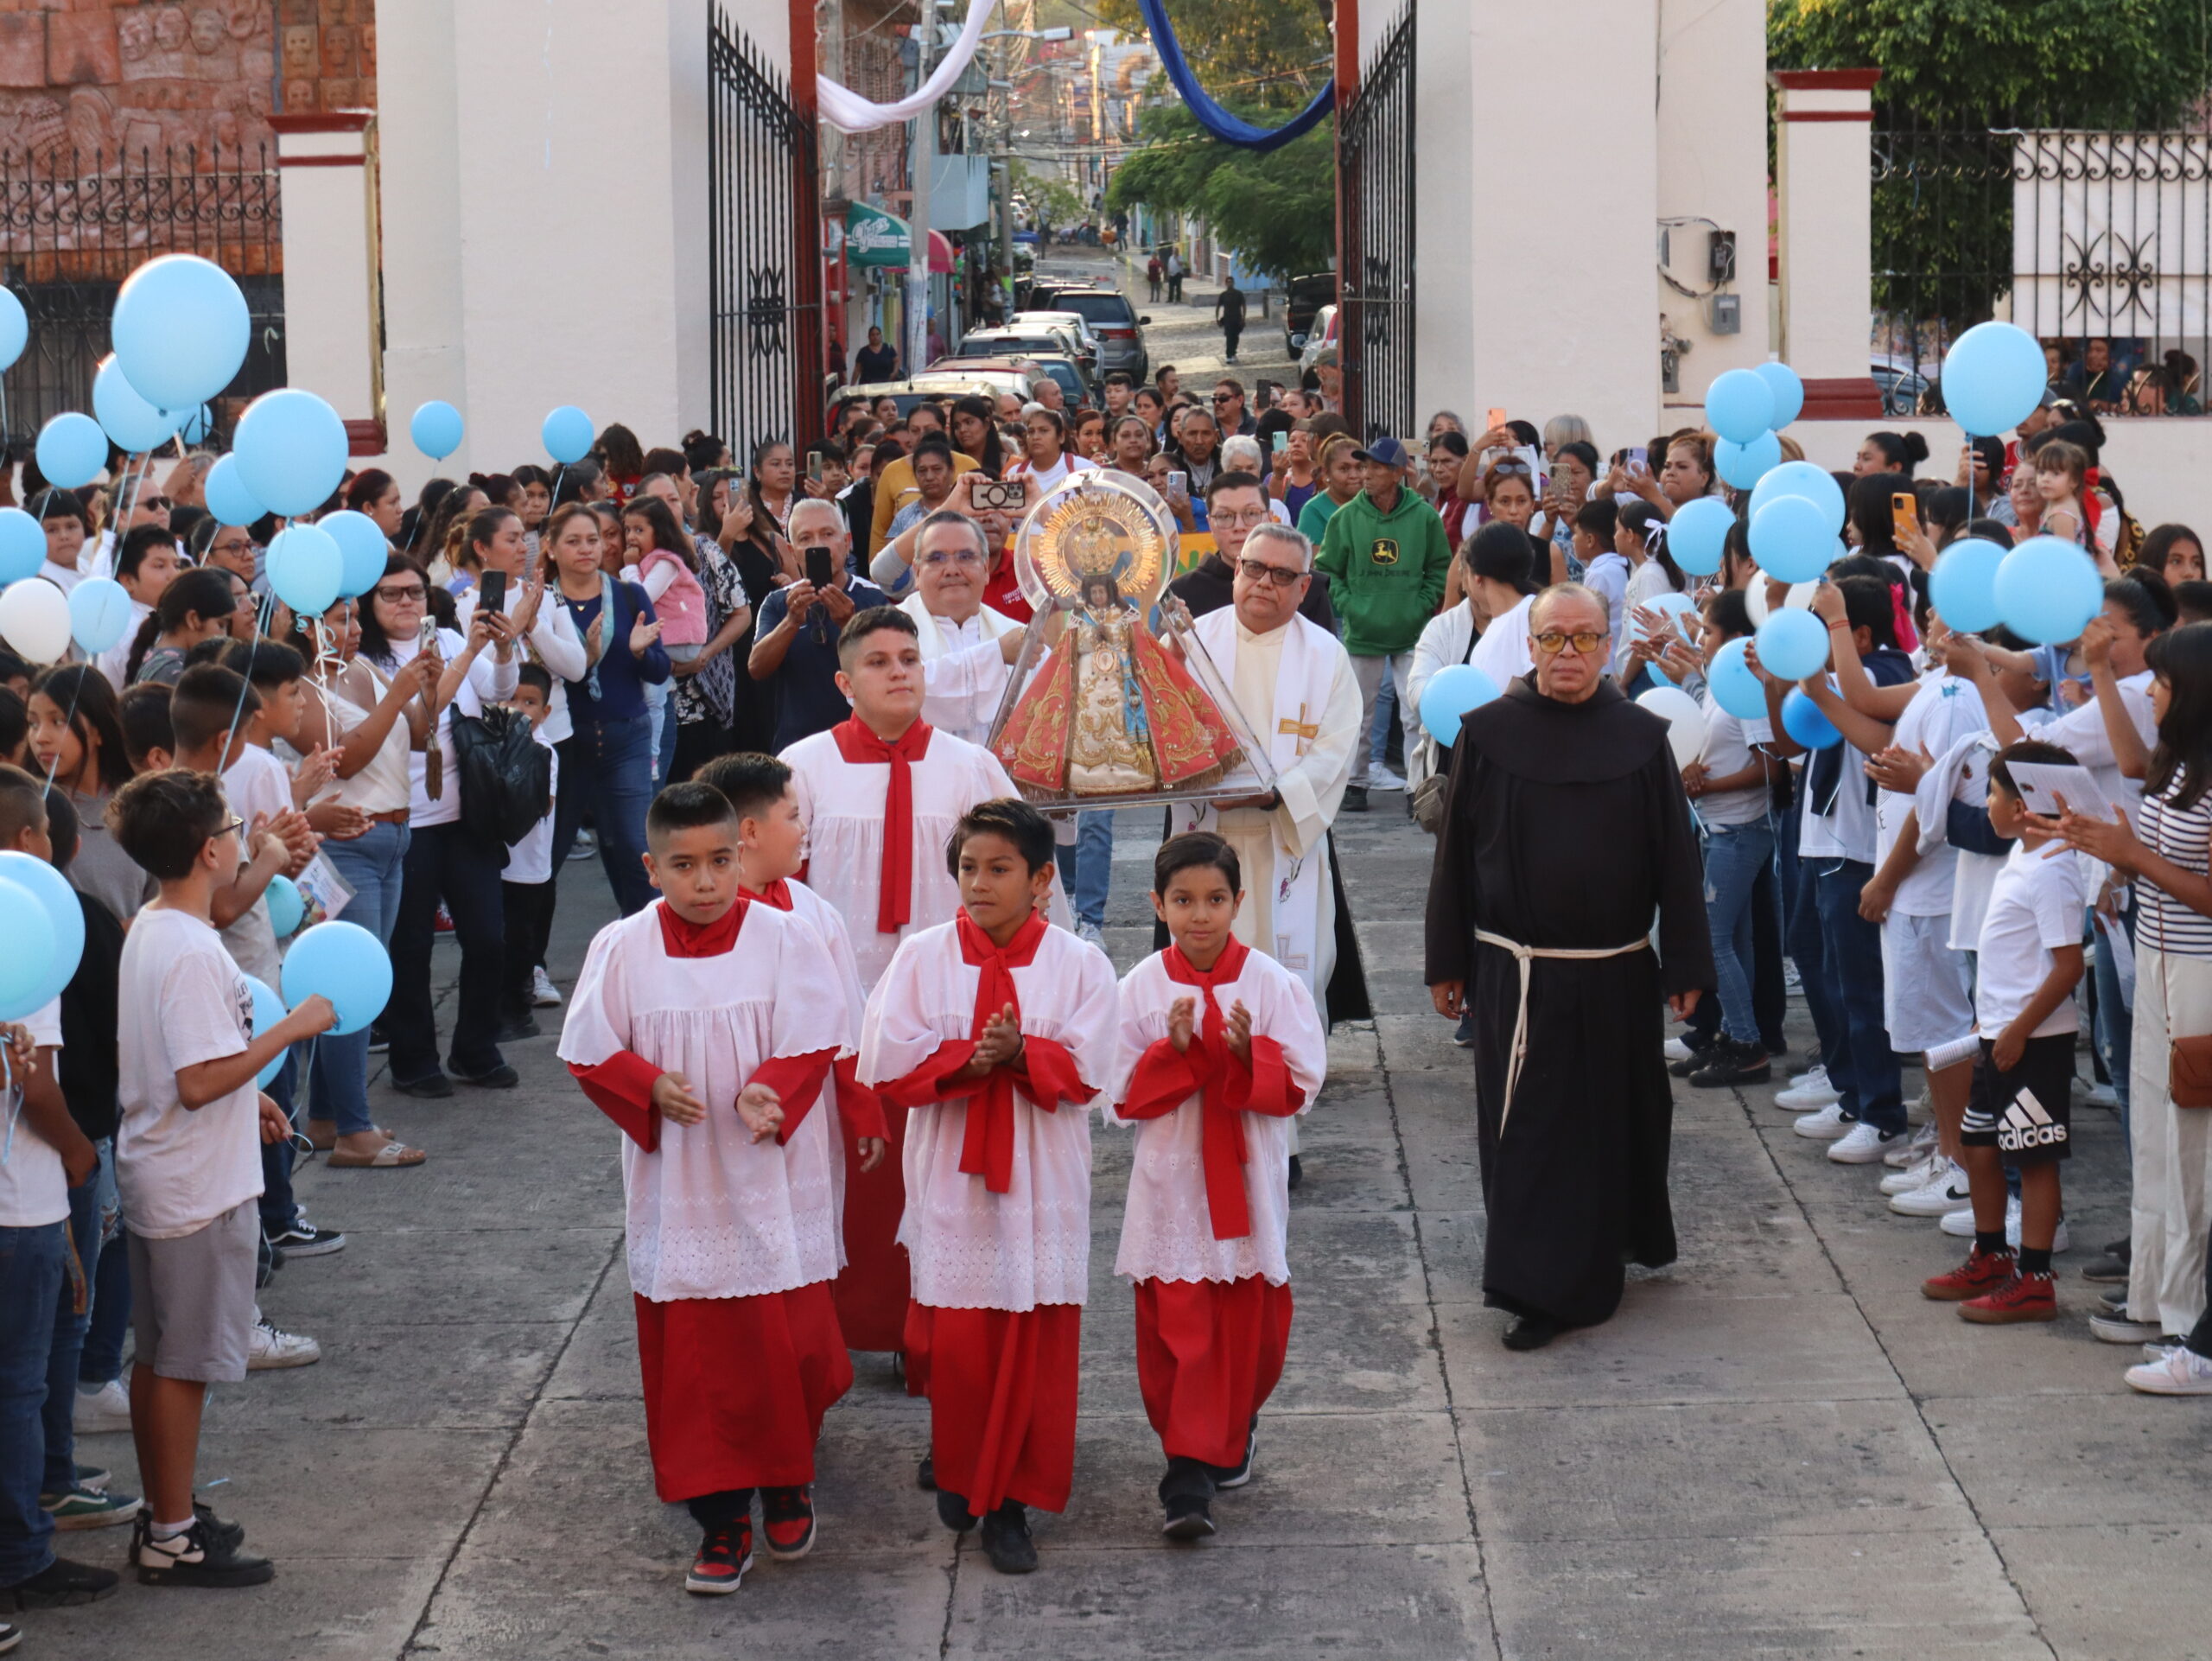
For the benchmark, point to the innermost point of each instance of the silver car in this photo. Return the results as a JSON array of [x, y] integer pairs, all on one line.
[[1073, 322]]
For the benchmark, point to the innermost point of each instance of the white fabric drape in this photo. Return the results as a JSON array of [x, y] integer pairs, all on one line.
[[844, 109]]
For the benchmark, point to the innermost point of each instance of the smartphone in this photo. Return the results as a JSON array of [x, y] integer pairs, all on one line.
[[1263, 394], [1905, 513], [1638, 456], [1282, 442], [1496, 420], [492, 591], [428, 638], [989, 495], [814, 466], [819, 571], [1179, 483]]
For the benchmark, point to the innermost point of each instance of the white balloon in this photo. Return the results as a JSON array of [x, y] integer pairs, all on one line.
[[1800, 596], [1684, 719], [34, 619]]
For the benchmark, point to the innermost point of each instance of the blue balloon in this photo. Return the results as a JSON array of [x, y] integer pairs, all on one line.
[[29, 960], [1993, 378], [1802, 478], [52, 890], [23, 543], [306, 568], [436, 430], [1738, 405], [291, 448], [1744, 465], [1791, 539], [180, 330], [1963, 586], [99, 612], [1789, 392], [129, 419], [1803, 720], [72, 450], [1733, 683], [1793, 644], [344, 963], [228, 498], [1450, 694], [268, 1010], [198, 425], [1698, 533], [286, 909], [568, 434], [2047, 591], [15, 329], [362, 546]]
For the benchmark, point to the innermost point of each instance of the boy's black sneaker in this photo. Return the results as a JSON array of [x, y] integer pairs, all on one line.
[[787, 1519], [1699, 1058], [1007, 1542], [502, 1077], [953, 1512], [1729, 1063], [515, 1028], [724, 1553], [2114, 1267], [1187, 1492], [1236, 1476], [1354, 799], [199, 1556], [59, 1583], [925, 1474], [304, 1240], [9, 1637], [1297, 1172], [231, 1534]]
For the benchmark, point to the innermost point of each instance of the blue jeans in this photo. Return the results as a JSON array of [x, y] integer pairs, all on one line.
[[445, 861], [100, 1361], [2115, 1037], [1735, 855], [72, 1311], [607, 767], [1802, 931], [338, 1077], [32, 1261], [278, 1209], [665, 725], [1863, 1068], [1087, 866]]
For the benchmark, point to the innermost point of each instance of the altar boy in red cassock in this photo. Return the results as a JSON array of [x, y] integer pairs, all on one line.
[[704, 1027], [994, 1031], [1224, 1046]]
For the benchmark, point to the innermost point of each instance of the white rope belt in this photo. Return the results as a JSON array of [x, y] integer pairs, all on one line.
[[1522, 955]]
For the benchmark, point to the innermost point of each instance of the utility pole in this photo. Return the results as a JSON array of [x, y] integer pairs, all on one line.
[[922, 163]]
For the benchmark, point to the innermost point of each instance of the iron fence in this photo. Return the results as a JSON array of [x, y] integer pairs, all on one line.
[[73, 225], [764, 262], [2097, 240], [1375, 334]]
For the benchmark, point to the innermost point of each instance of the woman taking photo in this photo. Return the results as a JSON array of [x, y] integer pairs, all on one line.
[[695, 727], [726, 518], [197, 607], [1887, 452], [607, 762]]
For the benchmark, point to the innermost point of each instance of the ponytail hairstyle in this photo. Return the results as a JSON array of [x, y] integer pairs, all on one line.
[[1649, 526], [1729, 610], [203, 592], [361, 495], [661, 527], [1901, 452]]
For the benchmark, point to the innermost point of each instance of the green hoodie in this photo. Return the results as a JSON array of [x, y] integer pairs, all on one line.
[[1386, 572]]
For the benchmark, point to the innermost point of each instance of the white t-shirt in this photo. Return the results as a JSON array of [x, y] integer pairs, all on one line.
[[1728, 749], [34, 1186], [180, 1169], [1943, 710], [2034, 906], [257, 786], [531, 860], [1052, 477]]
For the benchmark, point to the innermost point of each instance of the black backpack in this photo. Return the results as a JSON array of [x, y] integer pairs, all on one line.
[[506, 775]]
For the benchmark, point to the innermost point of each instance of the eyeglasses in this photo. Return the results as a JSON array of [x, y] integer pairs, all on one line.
[[405, 595], [963, 557], [230, 826], [1521, 467], [1551, 642], [1246, 516], [1260, 571], [155, 501]]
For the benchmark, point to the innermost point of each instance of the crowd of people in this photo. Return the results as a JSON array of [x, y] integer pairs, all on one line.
[[718, 679]]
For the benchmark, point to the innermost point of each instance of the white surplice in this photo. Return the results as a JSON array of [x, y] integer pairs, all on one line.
[[1295, 686], [842, 804], [712, 1213], [971, 1248], [964, 669], [1167, 1228]]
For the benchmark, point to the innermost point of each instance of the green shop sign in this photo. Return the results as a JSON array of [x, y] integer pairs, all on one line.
[[875, 238]]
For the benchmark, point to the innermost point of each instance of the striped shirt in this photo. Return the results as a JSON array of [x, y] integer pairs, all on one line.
[[2182, 837]]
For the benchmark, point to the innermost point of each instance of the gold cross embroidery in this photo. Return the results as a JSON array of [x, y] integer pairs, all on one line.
[[1306, 731]]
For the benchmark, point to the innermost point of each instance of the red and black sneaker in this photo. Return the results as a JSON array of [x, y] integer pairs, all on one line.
[[787, 1519], [724, 1553], [2024, 1297], [1982, 1272]]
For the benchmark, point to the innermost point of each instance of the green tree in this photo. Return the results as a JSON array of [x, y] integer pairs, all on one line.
[[1277, 210], [1259, 57], [1053, 200]]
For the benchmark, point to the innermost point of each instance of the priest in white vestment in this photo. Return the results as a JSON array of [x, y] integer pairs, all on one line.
[[967, 647]]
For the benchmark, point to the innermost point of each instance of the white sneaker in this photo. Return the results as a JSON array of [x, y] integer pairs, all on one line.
[[1092, 934], [268, 1349], [1862, 1145], [1958, 1224], [1907, 1155], [1827, 1125], [1380, 778], [1941, 1194], [1918, 1174], [2120, 1329], [543, 994], [107, 1408], [2104, 1096], [2060, 1240], [2183, 1372], [1812, 1090], [1675, 1050]]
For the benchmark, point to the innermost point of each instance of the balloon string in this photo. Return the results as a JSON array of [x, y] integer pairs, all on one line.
[[245, 690], [69, 723], [14, 1105]]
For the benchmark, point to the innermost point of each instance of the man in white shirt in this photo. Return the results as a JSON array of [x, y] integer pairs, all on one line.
[[967, 647]]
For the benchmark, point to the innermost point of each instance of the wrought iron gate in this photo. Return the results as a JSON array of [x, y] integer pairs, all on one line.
[[763, 225], [1376, 263]]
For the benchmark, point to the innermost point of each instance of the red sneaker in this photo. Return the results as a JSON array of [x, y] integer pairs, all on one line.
[[787, 1519], [1982, 1272], [2025, 1297], [724, 1556]]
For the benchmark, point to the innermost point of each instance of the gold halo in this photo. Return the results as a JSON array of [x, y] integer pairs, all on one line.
[[1068, 536]]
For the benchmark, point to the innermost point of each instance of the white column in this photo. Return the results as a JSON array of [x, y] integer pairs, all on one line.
[[328, 167], [417, 94], [1825, 206]]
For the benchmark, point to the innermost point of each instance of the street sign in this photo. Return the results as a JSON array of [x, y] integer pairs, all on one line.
[[875, 238]]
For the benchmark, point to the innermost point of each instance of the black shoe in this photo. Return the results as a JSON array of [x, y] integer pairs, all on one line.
[[1007, 1542], [1532, 1332], [435, 1088], [1699, 1058], [9, 1637], [1236, 1476], [304, 1240], [1354, 799], [1729, 1063], [379, 1040], [925, 1474], [1463, 1034], [1297, 1172], [2111, 1269], [953, 1512], [502, 1077], [231, 1534], [199, 1556], [517, 1028], [61, 1582], [1186, 1493]]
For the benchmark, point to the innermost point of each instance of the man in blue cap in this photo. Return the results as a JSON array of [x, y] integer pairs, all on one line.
[[1386, 557]]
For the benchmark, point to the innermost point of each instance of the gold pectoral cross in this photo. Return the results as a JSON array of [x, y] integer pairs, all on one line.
[[1306, 731]]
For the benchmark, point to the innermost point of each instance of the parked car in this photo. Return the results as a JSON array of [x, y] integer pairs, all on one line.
[[1112, 319], [1320, 338], [1302, 298], [1022, 340], [1902, 385], [1075, 381], [1074, 322], [985, 378]]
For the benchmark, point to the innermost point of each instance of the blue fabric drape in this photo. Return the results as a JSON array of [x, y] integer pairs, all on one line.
[[1229, 129]]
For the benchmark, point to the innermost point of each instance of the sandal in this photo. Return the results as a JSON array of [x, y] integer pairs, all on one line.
[[325, 1141], [390, 1156]]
